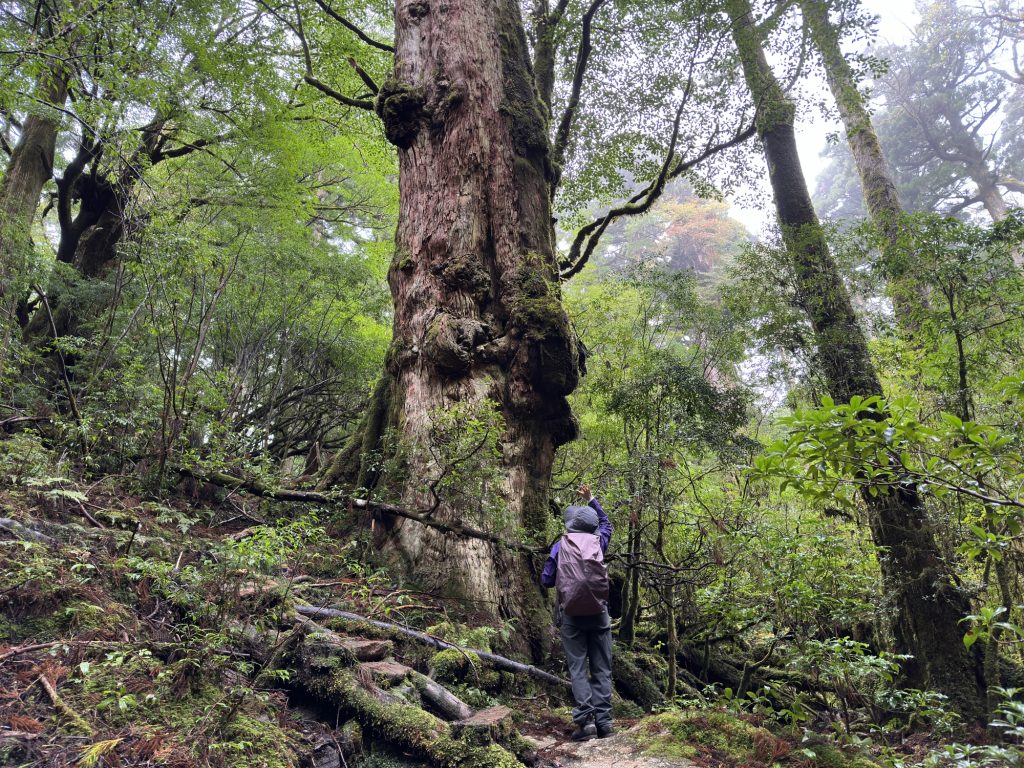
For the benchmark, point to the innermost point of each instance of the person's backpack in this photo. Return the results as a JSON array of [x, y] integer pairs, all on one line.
[[582, 577]]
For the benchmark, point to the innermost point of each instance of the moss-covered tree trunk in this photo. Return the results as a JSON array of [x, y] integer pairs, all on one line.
[[477, 310], [926, 607], [30, 167], [880, 196]]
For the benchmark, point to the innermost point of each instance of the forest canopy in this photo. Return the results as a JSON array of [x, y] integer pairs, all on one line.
[[315, 314]]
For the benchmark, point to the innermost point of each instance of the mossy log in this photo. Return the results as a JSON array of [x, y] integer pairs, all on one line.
[[335, 682], [499, 662], [361, 649], [633, 683], [54, 534], [716, 668], [450, 706]]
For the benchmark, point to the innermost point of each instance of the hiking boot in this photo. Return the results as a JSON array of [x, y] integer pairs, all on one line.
[[604, 730], [584, 732]]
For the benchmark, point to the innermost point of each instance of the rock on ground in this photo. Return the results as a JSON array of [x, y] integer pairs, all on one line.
[[617, 751]]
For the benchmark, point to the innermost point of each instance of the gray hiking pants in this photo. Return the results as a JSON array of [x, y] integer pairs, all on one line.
[[588, 650]]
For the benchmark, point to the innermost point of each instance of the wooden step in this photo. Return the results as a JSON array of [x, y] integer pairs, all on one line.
[[389, 670], [493, 724], [365, 649]]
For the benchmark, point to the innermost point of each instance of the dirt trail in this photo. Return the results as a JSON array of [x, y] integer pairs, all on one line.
[[617, 751]]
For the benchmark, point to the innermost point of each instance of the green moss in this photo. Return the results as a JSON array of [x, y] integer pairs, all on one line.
[[402, 261], [632, 681], [465, 272], [409, 727], [400, 107], [829, 756], [454, 666], [728, 740], [690, 734]]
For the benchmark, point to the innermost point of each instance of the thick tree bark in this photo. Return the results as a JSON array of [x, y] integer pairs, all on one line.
[[880, 195], [927, 608], [30, 167], [474, 281]]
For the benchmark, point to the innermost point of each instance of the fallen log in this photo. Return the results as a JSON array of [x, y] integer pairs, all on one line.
[[256, 488], [52, 534], [499, 662], [407, 727], [23, 532], [361, 649], [444, 701]]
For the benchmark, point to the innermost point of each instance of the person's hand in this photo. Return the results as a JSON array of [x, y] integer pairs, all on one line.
[[584, 491]]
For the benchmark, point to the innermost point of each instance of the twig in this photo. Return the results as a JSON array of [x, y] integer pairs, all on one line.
[[21, 649], [62, 706], [90, 518], [352, 27]]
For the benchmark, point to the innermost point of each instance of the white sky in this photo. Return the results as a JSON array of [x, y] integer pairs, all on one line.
[[896, 18]]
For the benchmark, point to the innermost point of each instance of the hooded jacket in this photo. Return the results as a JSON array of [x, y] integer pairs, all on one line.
[[588, 519]]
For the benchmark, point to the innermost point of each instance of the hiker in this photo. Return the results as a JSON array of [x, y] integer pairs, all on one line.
[[576, 569]]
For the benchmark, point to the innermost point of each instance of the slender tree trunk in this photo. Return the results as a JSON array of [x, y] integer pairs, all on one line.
[[880, 195], [477, 310], [30, 166], [927, 608], [631, 589]]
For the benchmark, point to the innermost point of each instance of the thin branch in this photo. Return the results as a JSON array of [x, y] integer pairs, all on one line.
[[321, 86], [363, 75], [455, 528], [571, 107], [587, 238], [339, 97], [352, 27]]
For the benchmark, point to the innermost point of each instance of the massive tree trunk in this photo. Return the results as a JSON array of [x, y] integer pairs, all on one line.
[[474, 281], [880, 195], [926, 606], [90, 238], [30, 166]]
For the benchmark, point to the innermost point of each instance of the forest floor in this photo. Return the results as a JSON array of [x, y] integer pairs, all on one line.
[[617, 751], [136, 632]]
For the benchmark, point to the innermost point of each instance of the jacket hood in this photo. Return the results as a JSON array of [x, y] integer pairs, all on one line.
[[580, 519]]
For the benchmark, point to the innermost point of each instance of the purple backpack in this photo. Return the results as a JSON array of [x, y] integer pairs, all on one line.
[[582, 577]]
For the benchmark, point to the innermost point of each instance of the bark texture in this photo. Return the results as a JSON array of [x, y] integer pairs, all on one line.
[[474, 281], [880, 195], [30, 167], [926, 607]]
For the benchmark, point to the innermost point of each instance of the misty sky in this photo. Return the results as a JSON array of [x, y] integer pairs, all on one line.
[[896, 18]]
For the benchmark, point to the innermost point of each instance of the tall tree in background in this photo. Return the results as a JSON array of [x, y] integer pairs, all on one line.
[[928, 608], [942, 83], [878, 187], [29, 168]]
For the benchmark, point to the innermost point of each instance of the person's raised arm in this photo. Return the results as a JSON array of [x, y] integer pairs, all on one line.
[[604, 525]]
